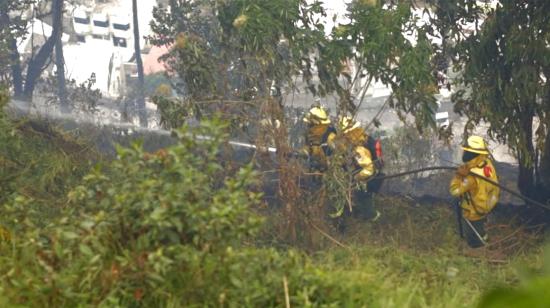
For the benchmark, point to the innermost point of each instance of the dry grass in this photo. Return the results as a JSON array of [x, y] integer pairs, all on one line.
[[426, 227]]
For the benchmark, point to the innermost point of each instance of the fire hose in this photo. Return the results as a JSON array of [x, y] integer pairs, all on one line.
[[458, 211], [506, 189]]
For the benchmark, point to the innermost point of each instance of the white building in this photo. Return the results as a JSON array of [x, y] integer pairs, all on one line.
[[121, 30], [105, 33], [36, 33], [100, 26], [82, 23]]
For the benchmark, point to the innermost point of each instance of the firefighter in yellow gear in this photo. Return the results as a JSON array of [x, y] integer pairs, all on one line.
[[319, 137], [361, 162], [477, 197]]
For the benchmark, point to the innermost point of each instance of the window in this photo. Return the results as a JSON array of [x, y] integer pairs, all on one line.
[[84, 21], [118, 41], [99, 23], [121, 27]]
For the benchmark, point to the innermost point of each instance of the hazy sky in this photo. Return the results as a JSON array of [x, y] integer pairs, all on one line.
[[334, 7]]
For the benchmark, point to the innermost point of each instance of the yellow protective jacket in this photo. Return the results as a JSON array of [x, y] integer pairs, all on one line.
[[363, 165], [319, 142], [479, 197]]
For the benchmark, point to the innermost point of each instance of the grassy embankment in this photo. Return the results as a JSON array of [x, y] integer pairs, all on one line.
[[410, 257]]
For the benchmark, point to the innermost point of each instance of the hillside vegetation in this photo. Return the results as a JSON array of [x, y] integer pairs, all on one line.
[[177, 228]]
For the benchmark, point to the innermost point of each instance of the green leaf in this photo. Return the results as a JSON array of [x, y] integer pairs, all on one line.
[[85, 249]]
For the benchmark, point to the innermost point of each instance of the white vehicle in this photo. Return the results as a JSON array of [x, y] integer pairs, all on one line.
[[121, 30], [82, 23], [100, 26], [442, 119]]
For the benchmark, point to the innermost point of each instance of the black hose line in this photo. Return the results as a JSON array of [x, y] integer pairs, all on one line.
[[524, 198]]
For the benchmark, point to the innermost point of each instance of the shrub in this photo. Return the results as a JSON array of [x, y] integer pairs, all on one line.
[[532, 290], [150, 228]]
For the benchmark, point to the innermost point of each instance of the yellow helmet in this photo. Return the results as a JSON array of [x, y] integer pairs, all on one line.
[[476, 144], [347, 124], [317, 115]]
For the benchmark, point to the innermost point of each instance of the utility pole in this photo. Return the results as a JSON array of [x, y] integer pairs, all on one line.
[[142, 111], [57, 10]]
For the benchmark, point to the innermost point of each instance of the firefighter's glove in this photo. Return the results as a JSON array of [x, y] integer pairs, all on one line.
[[463, 171]]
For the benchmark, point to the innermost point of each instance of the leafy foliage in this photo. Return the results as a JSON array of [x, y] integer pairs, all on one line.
[[236, 47], [503, 72], [235, 50], [532, 291], [13, 25], [81, 97], [134, 229], [174, 228], [237, 57], [374, 42]]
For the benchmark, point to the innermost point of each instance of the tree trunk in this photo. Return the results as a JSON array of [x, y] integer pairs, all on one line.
[[16, 71], [57, 8], [37, 64], [545, 168], [142, 111], [526, 178]]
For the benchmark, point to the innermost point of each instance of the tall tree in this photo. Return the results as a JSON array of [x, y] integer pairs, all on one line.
[[236, 49], [248, 46], [504, 66], [524, 76], [13, 26], [38, 62], [375, 41], [142, 111]]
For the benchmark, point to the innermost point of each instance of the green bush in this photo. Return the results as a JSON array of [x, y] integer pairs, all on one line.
[[531, 292], [10, 143], [162, 229], [149, 228]]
